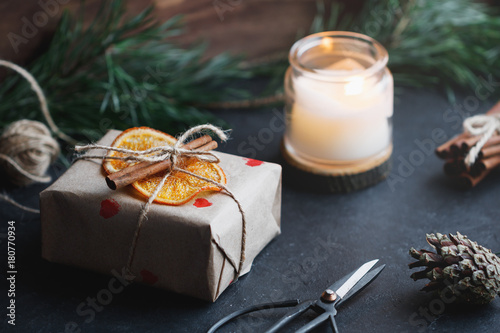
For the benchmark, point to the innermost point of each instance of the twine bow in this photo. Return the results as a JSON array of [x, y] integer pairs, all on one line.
[[172, 153], [485, 125]]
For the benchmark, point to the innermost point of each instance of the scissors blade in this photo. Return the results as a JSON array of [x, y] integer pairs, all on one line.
[[354, 279], [365, 281]]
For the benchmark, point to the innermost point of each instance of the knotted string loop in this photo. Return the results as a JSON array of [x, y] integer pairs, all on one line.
[[484, 125]]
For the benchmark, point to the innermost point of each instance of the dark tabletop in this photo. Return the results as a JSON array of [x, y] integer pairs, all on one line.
[[324, 236]]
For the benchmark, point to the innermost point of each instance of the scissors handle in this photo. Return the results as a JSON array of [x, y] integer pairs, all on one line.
[[333, 324], [273, 305], [317, 321], [290, 315]]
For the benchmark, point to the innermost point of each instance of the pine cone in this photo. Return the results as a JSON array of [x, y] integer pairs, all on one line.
[[460, 267]]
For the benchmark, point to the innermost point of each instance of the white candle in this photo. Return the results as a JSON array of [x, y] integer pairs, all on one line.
[[341, 120]]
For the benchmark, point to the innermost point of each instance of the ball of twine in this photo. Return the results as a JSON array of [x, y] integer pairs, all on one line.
[[27, 149]]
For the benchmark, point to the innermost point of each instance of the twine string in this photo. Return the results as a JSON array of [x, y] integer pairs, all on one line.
[[41, 97], [21, 171], [8, 199], [240, 208], [142, 217], [155, 154], [173, 153], [484, 125], [26, 146]]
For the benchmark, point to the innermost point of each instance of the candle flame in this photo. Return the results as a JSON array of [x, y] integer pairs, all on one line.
[[327, 43], [355, 86]]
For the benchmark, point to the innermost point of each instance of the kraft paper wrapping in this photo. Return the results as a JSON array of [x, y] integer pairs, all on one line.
[[189, 249]]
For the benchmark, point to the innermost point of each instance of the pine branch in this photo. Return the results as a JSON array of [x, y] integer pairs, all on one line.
[[122, 72], [448, 43]]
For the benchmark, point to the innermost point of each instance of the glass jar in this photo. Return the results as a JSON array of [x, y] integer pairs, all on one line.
[[339, 103]]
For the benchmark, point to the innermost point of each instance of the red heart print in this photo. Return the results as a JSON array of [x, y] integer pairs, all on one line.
[[109, 208], [202, 202], [253, 163], [148, 277]]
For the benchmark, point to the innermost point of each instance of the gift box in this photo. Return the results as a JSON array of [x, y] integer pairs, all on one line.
[[193, 249]]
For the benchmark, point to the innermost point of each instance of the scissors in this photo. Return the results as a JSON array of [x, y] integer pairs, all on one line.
[[325, 306]]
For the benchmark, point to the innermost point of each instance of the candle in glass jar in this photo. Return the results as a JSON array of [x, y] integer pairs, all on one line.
[[340, 111]]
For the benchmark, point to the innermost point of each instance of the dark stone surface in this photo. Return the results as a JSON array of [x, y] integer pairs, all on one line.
[[324, 237]]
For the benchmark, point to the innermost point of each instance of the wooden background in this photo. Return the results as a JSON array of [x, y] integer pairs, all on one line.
[[253, 27]]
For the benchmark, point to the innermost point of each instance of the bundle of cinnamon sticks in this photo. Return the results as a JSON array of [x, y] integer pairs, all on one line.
[[142, 170], [455, 150]]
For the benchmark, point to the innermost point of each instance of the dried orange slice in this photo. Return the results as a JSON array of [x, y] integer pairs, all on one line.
[[179, 187]]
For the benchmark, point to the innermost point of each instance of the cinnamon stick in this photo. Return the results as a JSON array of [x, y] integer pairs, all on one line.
[[468, 181], [465, 144], [468, 144], [443, 151], [485, 164], [489, 151], [454, 146], [456, 149], [454, 167], [142, 170]]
